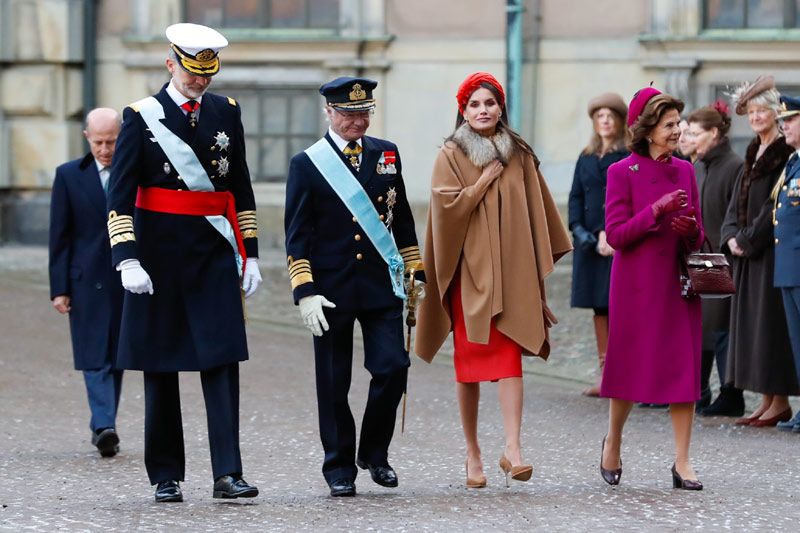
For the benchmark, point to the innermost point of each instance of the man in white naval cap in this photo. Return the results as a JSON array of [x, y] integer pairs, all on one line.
[[182, 224]]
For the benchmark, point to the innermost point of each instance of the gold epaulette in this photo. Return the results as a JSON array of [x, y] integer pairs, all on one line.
[[248, 224], [120, 228], [411, 258], [232, 101], [299, 271]]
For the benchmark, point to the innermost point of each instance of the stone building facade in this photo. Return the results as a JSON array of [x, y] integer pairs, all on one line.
[[418, 50]]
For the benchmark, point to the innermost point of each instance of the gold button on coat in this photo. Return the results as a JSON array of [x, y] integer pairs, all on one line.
[[359, 257], [380, 199], [381, 217], [213, 162], [355, 219], [357, 237], [776, 241]]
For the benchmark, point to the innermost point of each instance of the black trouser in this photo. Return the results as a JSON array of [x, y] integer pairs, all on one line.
[[386, 360], [164, 455], [719, 353]]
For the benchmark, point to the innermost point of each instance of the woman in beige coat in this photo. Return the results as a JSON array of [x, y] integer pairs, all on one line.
[[493, 235]]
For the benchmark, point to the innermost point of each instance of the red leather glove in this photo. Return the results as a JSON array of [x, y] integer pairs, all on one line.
[[686, 225], [673, 201]]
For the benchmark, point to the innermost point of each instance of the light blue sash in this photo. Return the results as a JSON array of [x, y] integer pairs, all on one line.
[[339, 177], [186, 164]]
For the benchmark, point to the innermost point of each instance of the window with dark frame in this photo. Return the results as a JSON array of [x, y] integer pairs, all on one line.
[[278, 123], [282, 14], [751, 14]]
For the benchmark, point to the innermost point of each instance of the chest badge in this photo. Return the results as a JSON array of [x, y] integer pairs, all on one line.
[[167, 169], [391, 200], [223, 166], [386, 163], [634, 168], [222, 140]]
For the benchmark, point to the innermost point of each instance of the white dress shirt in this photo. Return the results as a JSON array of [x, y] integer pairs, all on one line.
[[105, 173], [341, 144]]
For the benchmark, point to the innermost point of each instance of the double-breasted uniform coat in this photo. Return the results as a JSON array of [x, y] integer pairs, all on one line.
[[587, 218], [194, 320], [787, 249], [759, 351], [329, 254]]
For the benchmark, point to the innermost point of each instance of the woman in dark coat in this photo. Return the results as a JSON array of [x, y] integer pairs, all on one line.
[[716, 168], [591, 260], [760, 355]]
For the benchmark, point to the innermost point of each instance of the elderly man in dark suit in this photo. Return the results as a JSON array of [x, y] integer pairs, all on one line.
[[83, 283], [182, 224], [350, 239]]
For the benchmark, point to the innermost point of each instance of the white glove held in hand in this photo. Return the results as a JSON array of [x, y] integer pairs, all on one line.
[[252, 277], [134, 277], [313, 316]]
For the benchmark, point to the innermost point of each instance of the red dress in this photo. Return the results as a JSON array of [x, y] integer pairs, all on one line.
[[501, 358]]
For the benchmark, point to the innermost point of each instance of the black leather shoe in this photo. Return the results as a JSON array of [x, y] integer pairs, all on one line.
[[168, 491], [382, 475], [704, 401], [730, 402], [233, 486], [343, 487], [107, 441]]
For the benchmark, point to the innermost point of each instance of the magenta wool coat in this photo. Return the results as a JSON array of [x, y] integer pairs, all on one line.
[[655, 334]]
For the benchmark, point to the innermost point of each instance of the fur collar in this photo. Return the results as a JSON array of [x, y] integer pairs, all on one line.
[[483, 150], [771, 161]]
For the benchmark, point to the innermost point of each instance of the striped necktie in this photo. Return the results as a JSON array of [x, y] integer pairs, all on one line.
[[352, 151]]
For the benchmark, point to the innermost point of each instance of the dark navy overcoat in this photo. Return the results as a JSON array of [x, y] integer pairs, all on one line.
[[80, 263]]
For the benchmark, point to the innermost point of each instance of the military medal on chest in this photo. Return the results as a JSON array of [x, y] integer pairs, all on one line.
[[166, 168], [223, 167], [386, 163], [222, 140], [391, 200]]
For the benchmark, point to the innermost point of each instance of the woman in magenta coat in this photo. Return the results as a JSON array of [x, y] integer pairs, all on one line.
[[652, 216]]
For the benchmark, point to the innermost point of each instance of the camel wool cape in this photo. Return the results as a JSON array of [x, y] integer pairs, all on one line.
[[503, 239]]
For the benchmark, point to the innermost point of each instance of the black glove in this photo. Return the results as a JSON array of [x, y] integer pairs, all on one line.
[[584, 239]]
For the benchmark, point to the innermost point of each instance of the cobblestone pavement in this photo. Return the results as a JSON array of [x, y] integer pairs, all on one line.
[[53, 480]]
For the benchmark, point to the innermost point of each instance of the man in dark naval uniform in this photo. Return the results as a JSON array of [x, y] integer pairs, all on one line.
[[350, 239], [182, 224], [786, 218], [83, 283]]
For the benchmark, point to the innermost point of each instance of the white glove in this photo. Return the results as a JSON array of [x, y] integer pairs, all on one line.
[[134, 277], [252, 277], [313, 316]]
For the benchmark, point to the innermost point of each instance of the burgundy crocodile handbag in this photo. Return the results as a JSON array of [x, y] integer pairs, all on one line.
[[706, 274]]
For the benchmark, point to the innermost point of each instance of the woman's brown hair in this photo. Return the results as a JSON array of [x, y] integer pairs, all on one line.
[[502, 124], [649, 119], [711, 116], [595, 145]]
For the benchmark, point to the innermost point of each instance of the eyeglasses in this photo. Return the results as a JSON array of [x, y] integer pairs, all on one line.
[[355, 115]]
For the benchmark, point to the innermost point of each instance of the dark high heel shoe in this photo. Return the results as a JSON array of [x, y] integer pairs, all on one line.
[[686, 484], [611, 477], [518, 473]]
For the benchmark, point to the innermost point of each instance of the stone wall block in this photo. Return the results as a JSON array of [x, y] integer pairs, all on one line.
[[38, 147], [44, 30], [30, 90]]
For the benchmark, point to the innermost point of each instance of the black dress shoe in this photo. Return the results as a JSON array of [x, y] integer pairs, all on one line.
[[168, 491], [107, 441], [343, 487], [730, 402], [382, 475], [704, 401], [233, 486], [686, 484]]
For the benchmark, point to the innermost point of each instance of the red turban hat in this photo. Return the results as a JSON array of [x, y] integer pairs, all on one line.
[[473, 83]]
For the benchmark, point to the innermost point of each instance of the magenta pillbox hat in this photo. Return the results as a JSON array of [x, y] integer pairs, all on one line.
[[638, 102]]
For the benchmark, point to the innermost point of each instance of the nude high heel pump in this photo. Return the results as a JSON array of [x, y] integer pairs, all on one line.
[[474, 483], [518, 473]]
